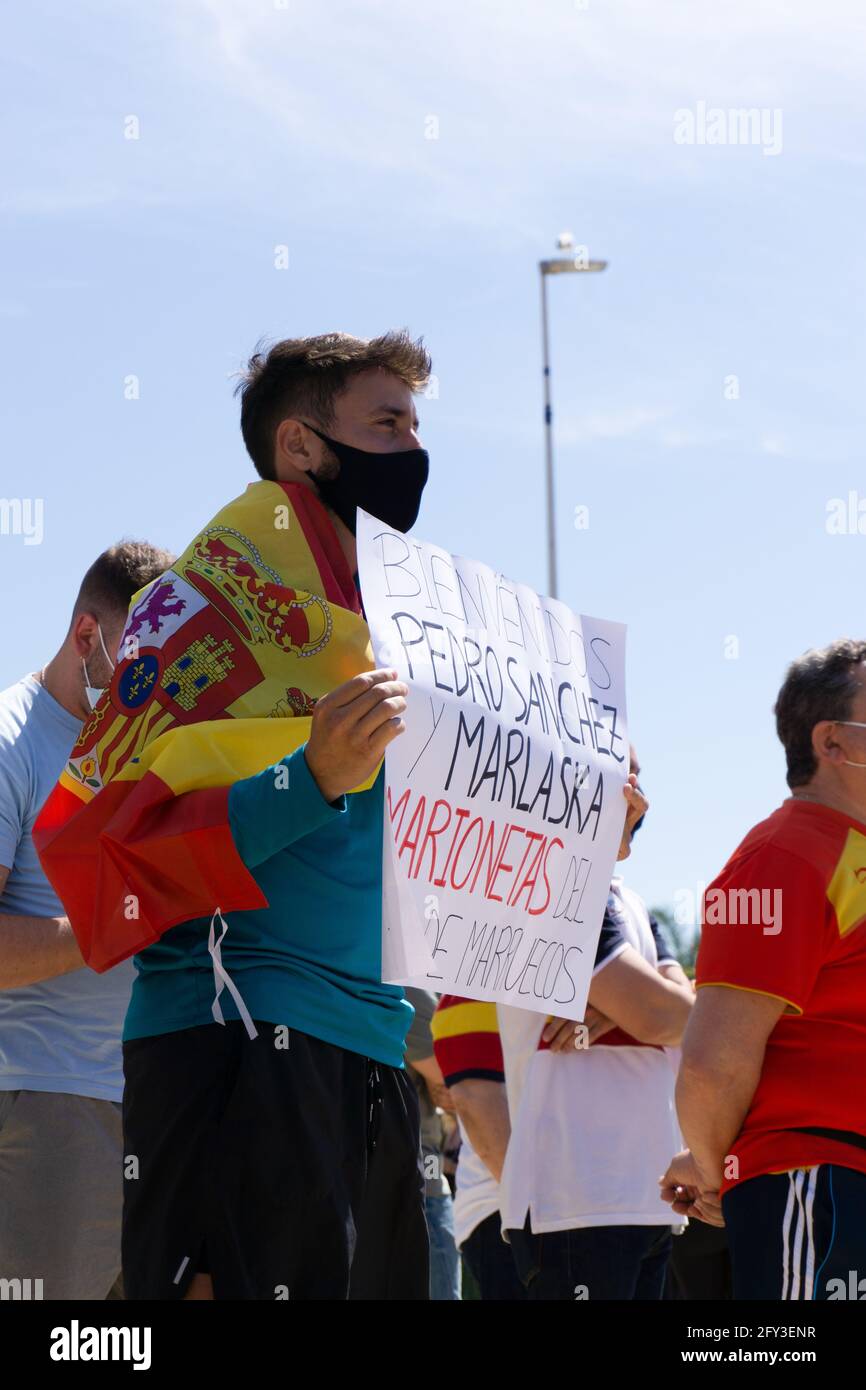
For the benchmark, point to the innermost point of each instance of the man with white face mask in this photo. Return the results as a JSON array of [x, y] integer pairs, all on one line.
[[61, 1077], [772, 1088]]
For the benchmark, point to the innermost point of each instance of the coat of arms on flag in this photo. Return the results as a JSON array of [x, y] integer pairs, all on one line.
[[218, 670]]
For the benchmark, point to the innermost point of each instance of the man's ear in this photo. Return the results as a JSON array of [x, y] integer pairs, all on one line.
[[824, 744], [83, 634], [292, 446]]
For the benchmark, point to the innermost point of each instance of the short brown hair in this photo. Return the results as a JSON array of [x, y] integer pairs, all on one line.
[[304, 376], [820, 684], [118, 573]]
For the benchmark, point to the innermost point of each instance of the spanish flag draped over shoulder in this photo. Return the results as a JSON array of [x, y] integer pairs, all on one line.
[[220, 663]]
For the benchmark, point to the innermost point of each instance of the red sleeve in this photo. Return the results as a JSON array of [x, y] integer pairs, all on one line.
[[764, 926], [466, 1040]]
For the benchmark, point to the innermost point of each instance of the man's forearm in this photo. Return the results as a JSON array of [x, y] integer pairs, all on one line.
[[482, 1108], [672, 1014], [711, 1107], [488, 1142], [34, 949]]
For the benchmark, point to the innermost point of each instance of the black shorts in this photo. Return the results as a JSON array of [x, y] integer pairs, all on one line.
[[284, 1172], [798, 1235]]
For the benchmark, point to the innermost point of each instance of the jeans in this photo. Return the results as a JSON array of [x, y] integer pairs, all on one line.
[[593, 1262], [444, 1259]]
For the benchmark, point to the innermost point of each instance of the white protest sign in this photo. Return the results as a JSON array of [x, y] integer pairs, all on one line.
[[504, 806]]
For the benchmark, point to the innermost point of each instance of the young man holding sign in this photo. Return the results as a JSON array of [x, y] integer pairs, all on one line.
[[271, 1133]]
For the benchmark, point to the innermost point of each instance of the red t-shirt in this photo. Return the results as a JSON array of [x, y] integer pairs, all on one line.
[[787, 917]]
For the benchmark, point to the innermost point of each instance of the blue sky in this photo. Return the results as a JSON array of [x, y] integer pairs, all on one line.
[[305, 126]]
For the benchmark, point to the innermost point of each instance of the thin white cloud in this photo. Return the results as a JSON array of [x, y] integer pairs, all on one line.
[[306, 100], [614, 424], [772, 444], [624, 67]]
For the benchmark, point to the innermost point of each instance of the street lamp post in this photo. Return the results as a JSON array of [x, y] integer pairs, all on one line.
[[559, 265]]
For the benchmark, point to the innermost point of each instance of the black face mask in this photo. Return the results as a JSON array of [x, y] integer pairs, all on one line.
[[389, 486]]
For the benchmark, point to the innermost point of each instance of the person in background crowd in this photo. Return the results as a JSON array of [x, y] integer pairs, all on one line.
[[571, 1166], [433, 1098], [771, 1093], [469, 1053], [579, 1189], [61, 1076]]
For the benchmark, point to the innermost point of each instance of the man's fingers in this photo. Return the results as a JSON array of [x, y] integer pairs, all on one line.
[[565, 1038], [709, 1214], [596, 1024], [385, 734], [564, 1034], [354, 715], [350, 690], [677, 1198], [554, 1026], [687, 1200], [348, 719], [384, 708], [637, 804]]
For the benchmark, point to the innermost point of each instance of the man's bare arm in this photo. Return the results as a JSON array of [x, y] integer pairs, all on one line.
[[438, 1092], [34, 948], [642, 1001], [723, 1052], [482, 1107], [672, 970]]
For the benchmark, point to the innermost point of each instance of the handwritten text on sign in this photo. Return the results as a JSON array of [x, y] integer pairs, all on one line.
[[503, 804]]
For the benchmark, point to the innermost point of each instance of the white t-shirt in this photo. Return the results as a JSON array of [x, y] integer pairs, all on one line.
[[592, 1130], [477, 1195]]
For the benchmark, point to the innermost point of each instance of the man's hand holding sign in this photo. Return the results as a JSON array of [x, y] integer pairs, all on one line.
[[351, 728]]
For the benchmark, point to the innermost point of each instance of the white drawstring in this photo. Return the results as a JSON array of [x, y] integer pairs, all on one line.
[[222, 979]]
